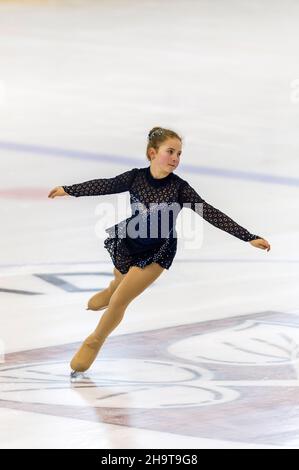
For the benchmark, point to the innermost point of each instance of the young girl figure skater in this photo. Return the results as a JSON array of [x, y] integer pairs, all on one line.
[[140, 260]]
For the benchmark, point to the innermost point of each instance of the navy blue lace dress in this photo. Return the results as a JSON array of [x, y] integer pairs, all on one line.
[[142, 238]]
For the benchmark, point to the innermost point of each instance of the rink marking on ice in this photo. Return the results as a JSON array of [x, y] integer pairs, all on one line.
[[163, 391], [22, 193], [194, 260], [87, 155]]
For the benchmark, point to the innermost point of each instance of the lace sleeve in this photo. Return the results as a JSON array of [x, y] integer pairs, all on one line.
[[191, 199], [99, 187]]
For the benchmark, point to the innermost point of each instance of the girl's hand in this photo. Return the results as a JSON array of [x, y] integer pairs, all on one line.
[[261, 243], [58, 191]]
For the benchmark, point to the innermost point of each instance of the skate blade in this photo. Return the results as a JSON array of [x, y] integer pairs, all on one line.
[[77, 377], [74, 374], [97, 309]]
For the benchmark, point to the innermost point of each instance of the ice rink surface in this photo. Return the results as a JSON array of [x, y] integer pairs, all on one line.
[[208, 355]]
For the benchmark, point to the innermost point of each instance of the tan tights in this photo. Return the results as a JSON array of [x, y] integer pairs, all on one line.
[[122, 290], [101, 299]]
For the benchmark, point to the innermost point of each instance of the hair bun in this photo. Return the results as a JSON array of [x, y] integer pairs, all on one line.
[[155, 131]]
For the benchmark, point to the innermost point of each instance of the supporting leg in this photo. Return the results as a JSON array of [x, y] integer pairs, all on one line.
[[134, 283]]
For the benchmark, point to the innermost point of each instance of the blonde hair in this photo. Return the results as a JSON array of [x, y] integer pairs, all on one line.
[[157, 136]]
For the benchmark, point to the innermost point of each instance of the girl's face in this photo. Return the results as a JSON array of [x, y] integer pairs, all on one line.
[[167, 158]]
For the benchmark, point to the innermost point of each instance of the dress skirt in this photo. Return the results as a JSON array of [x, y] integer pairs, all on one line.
[[124, 253]]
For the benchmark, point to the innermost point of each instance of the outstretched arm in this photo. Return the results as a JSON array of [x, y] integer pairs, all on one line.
[[190, 198], [100, 187]]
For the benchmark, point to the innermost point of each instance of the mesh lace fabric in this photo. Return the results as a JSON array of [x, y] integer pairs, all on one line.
[[147, 196]]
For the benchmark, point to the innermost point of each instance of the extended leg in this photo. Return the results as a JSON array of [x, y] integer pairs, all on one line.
[[134, 283], [101, 299]]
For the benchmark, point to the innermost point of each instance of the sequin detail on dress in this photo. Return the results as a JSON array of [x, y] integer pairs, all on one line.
[[147, 192]]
